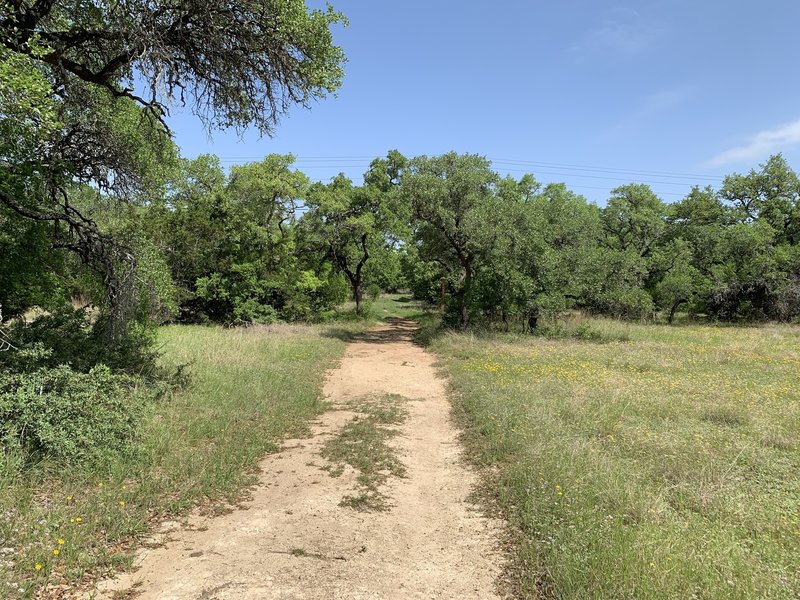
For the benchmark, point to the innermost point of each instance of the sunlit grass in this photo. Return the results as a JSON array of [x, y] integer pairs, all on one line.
[[386, 306], [661, 467]]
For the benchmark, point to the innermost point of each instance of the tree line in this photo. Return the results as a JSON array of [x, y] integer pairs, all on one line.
[[262, 243]]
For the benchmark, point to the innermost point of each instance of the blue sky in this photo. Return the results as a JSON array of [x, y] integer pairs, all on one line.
[[592, 93]]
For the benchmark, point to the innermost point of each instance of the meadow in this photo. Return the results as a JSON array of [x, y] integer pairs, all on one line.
[[629, 461], [199, 446], [651, 462]]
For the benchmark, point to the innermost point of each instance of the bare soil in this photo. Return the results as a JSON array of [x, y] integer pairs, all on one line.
[[293, 540]]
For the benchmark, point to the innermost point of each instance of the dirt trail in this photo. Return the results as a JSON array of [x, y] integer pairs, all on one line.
[[293, 540]]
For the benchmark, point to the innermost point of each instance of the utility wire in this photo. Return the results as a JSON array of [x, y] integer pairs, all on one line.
[[606, 169], [634, 179], [365, 160], [589, 172]]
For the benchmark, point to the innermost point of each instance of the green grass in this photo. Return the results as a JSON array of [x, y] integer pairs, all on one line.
[[363, 445], [200, 446], [397, 306], [666, 466], [385, 307]]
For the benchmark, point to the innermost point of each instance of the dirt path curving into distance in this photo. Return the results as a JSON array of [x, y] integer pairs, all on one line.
[[295, 541]]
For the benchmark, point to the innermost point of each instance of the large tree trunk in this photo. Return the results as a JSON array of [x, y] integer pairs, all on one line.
[[464, 316], [354, 279], [532, 319], [358, 296], [673, 310]]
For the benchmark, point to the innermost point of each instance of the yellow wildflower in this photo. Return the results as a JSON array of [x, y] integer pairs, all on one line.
[[56, 552], [38, 566], [60, 542]]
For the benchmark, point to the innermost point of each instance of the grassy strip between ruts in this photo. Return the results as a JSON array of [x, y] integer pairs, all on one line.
[[664, 466], [363, 445], [249, 389]]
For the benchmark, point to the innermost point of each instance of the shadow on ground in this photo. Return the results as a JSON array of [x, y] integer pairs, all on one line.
[[399, 330]]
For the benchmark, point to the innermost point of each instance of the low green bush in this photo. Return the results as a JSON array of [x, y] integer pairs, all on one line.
[[63, 414], [581, 331], [76, 338], [373, 291], [251, 311]]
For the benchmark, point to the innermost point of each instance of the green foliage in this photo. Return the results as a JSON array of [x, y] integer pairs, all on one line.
[[29, 269], [233, 245], [385, 269], [741, 274], [156, 293], [505, 249], [77, 338], [675, 288], [771, 195], [373, 292], [452, 201], [28, 106], [67, 415], [634, 219], [242, 297], [511, 248], [193, 227], [422, 277], [355, 228], [253, 312], [71, 125]]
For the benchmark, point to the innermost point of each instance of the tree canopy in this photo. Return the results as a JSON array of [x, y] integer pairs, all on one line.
[[85, 93]]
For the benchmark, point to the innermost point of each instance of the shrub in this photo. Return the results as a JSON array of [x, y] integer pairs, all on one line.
[[625, 302], [253, 312], [373, 291], [71, 337], [67, 415], [584, 331]]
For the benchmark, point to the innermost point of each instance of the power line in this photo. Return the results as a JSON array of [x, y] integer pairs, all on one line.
[[605, 189], [606, 169], [601, 177], [312, 158], [365, 160], [634, 176]]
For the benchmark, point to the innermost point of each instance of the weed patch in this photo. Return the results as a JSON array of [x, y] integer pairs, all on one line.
[[363, 445]]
